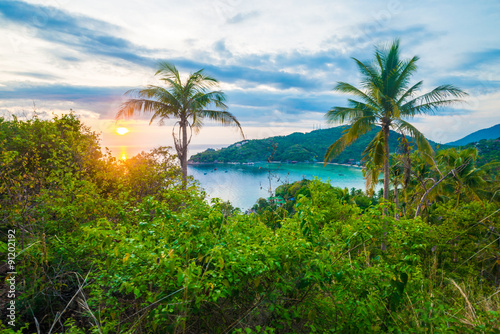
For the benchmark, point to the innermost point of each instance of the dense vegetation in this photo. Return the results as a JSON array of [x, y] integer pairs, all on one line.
[[108, 246], [489, 150], [300, 147]]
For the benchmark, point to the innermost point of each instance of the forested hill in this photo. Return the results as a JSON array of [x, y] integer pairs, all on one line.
[[489, 133], [300, 147], [489, 150]]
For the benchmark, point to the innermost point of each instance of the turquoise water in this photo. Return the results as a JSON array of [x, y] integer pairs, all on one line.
[[242, 185]]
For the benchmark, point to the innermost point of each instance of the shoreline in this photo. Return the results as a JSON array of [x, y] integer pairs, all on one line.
[[272, 162]]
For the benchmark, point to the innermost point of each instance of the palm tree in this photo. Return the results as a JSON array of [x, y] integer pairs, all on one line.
[[386, 99], [468, 180], [187, 100]]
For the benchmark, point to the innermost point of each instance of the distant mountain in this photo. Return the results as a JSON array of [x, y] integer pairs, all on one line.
[[489, 133], [300, 147]]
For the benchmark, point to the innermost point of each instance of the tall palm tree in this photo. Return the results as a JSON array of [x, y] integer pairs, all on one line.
[[386, 99], [189, 101]]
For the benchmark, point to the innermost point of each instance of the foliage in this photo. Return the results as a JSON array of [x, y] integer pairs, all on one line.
[[453, 177], [109, 247], [489, 151], [149, 173]]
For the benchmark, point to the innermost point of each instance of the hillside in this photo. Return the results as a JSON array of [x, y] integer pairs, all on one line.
[[489, 133], [489, 150], [300, 147]]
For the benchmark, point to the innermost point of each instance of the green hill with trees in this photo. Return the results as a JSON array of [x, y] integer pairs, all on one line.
[[489, 150], [300, 147]]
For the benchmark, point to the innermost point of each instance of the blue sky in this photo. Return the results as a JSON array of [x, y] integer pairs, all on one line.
[[277, 62]]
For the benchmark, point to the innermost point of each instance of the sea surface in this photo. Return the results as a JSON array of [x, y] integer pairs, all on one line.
[[243, 185]]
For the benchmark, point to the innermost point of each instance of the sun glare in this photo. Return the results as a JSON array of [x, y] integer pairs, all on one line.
[[121, 131]]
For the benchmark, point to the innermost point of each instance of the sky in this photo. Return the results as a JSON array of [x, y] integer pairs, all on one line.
[[277, 62]]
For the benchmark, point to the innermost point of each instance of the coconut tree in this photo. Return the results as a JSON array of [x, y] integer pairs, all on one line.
[[188, 100], [468, 180], [386, 98]]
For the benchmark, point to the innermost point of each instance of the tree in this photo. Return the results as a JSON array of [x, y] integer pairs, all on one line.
[[189, 101], [458, 176], [386, 99]]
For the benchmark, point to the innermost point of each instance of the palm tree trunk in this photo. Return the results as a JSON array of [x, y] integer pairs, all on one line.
[[184, 155], [458, 198], [386, 181], [386, 162], [424, 196], [396, 201]]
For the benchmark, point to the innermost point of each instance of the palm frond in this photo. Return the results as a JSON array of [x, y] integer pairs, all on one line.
[[159, 94], [142, 106], [398, 77], [344, 87], [361, 126], [436, 98], [371, 78], [426, 108], [389, 53], [222, 117], [197, 124], [201, 100], [388, 59], [410, 92], [343, 114], [371, 174], [169, 72], [395, 112], [374, 152], [422, 143]]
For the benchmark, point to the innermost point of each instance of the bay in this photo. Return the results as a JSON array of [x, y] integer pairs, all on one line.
[[243, 185]]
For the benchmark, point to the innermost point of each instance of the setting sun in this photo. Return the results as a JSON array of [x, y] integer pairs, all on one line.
[[121, 131]]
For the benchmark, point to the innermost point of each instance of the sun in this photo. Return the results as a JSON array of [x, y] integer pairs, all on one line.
[[121, 131]]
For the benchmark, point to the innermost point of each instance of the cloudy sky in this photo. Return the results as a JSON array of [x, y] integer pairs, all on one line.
[[276, 61]]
